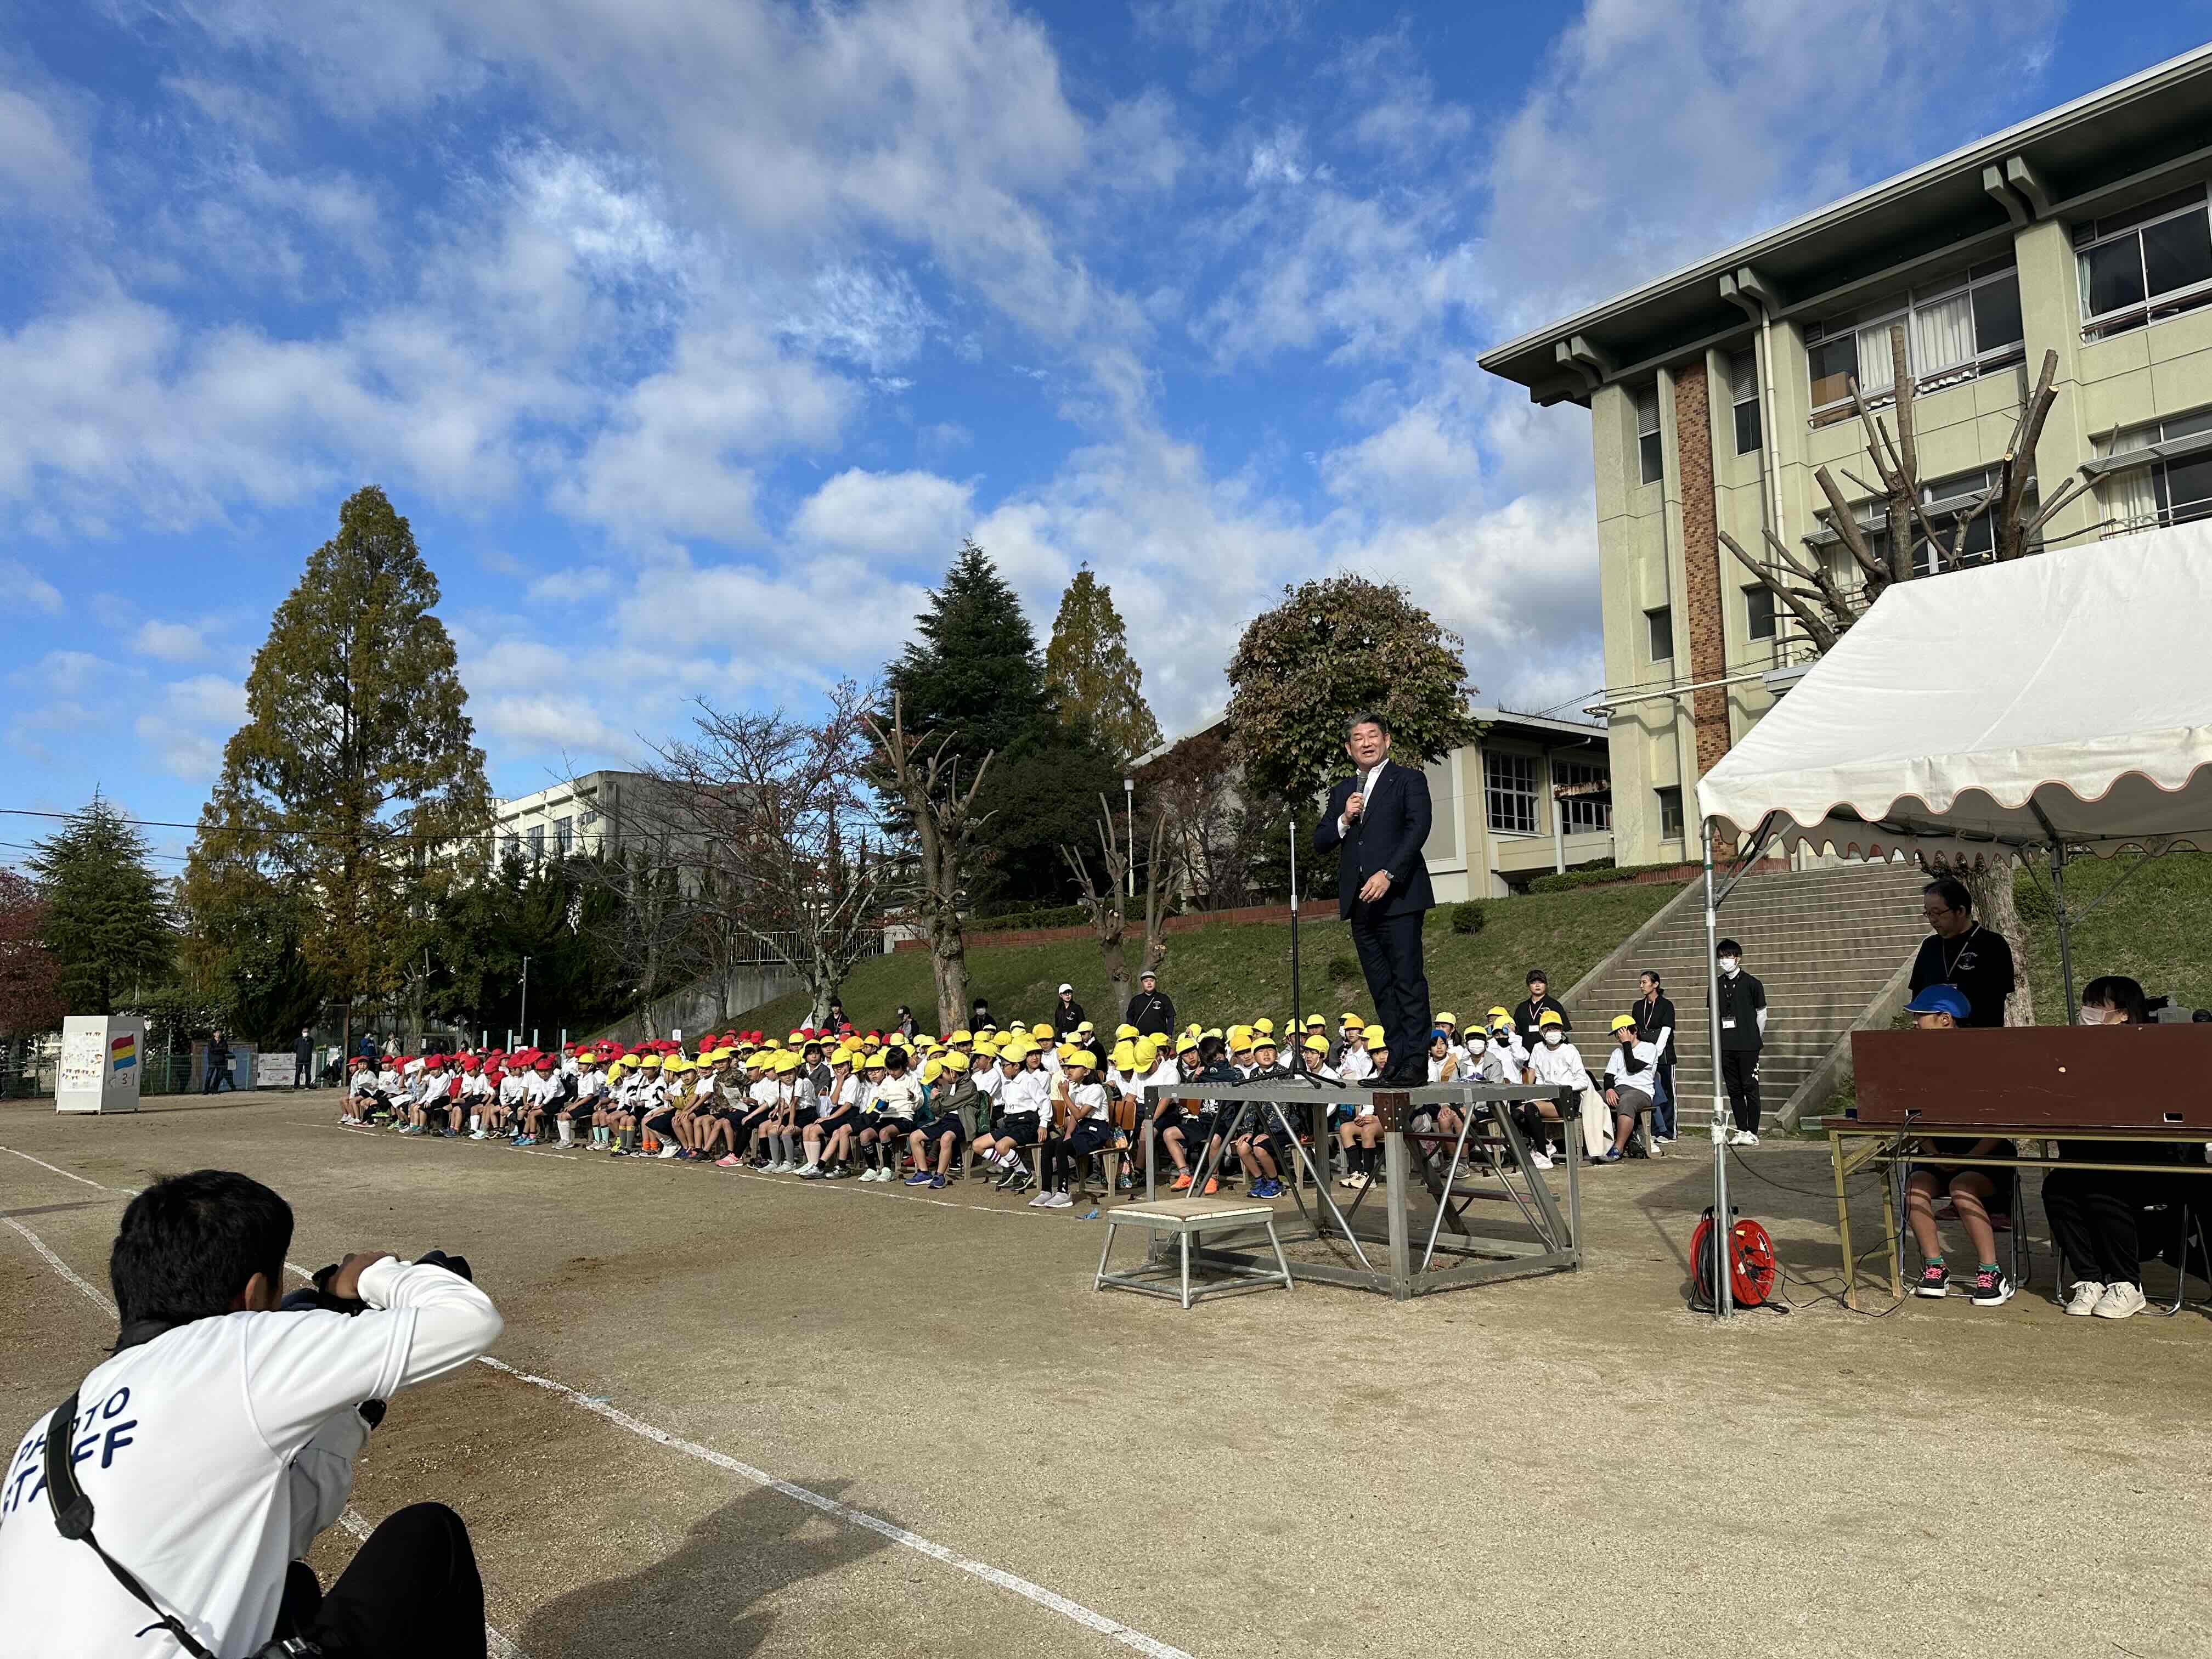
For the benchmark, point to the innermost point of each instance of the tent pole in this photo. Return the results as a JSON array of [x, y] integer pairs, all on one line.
[[1723, 1223], [2058, 903]]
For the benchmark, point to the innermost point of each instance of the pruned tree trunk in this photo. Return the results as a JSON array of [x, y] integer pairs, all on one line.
[[1160, 871], [926, 778], [1997, 909]]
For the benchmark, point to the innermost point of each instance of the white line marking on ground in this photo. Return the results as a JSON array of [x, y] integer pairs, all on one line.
[[501, 1649], [62, 1267], [844, 1512], [496, 1644], [43, 1164]]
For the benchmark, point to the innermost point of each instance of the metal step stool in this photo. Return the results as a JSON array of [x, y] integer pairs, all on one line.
[[1182, 1218]]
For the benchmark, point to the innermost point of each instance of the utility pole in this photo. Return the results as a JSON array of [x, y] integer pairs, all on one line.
[[523, 1019]]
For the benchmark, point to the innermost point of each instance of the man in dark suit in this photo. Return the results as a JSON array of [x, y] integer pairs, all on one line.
[[1380, 819]]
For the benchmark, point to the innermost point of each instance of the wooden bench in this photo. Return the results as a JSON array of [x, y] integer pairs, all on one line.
[[1183, 1219]]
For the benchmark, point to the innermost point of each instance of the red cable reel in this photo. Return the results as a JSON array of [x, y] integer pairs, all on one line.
[[1752, 1268]]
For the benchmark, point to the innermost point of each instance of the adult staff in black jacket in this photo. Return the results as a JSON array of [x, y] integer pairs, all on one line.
[[1150, 1010], [1743, 1034], [1380, 817]]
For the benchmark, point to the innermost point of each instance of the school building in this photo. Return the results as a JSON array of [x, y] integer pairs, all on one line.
[[1716, 392]]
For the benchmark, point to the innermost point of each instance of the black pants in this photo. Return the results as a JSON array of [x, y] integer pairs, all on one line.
[[218, 1077], [412, 1592], [2097, 1219], [301, 1076], [1389, 950], [1740, 1074], [1063, 1155]]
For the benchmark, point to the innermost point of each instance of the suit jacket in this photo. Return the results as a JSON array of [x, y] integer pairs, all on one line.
[[1389, 835]]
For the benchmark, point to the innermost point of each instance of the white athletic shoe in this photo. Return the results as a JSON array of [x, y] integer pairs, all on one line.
[[1747, 1138], [476, 1134], [1059, 1201], [669, 1151], [1043, 1201], [1541, 1160], [2084, 1297], [809, 1171], [2120, 1300], [877, 1174]]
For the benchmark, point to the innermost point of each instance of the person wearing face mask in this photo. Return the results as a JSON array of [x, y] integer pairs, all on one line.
[[1555, 1062], [2096, 1215], [1743, 1033]]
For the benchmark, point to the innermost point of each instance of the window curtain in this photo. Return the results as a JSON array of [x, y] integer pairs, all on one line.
[[1943, 334], [2129, 499], [1877, 378]]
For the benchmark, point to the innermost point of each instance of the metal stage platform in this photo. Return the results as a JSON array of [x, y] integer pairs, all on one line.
[[1431, 1235]]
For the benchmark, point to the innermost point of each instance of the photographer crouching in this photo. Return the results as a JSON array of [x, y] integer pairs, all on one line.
[[164, 1508]]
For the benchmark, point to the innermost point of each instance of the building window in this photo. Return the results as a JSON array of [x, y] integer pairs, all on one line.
[[1585, 814], [2143, 264], [1670, 812], [1650, 463], [2170, 489], [537, 843], [1659, 628], [1758, 608], [1509, 788], [1743, 387], [564, 835], [1954, 331], [510, 846]]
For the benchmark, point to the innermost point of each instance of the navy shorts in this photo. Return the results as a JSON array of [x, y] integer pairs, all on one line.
[[900, 1126], [942, 1128], [847, 1119], [1021, 1127]]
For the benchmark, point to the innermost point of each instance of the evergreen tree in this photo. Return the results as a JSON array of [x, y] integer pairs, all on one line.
[[1090, 671], [975, 673], [107, 923], [354, 789]]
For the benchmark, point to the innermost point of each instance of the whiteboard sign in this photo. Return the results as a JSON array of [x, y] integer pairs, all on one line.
[[102, 1063], [274, 1071]]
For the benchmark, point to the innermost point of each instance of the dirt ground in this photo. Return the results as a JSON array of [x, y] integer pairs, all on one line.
[[975, 1453]]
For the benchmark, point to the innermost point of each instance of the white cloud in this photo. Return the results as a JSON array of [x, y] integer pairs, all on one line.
[[42, 162], [66, 673], [1658, 133], [876, 320], [185, 734], [30, 588], [901, 515], [171, 642], [572, 587]]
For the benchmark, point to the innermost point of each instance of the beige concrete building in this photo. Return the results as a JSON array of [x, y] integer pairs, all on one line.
[[581, 816], [1716, 392], [1529, 796]]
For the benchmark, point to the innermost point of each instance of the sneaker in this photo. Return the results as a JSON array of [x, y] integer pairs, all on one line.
[[1022, 1181], [727, 1161], [476, 1134], [620, 1151], [1181, 1183], [1541, 1160], [1043, 1201], [1991, 1288], [668, 1153], [1935, 1282], [936, 1182], [1264, 1187], [1005, 1182], [1212, 1186], [1748, 1138], [1610, 1155], [919, 1178], [1355, 1181], [1060, 1201], [2120, 1300], [2084, 1297], [1664, 1140], [836, 1172], [809, 1172]]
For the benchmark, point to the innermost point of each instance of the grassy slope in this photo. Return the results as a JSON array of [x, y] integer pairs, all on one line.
[[2157, 927], [1225, 974]]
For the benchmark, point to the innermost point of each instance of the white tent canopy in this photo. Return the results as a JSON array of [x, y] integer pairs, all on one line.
[[2073, 687]]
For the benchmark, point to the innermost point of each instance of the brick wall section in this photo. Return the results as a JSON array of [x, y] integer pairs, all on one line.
[[1704, 592]]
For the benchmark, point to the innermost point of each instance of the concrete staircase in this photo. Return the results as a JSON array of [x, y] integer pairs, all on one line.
[[1827, 943]]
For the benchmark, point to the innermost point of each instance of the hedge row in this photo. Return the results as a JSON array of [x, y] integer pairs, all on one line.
[[1598, 878]]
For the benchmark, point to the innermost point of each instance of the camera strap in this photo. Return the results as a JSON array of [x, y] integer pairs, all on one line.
[[73, 1518]]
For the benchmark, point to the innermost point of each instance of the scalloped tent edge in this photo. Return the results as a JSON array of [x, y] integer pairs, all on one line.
[[2060, 701]]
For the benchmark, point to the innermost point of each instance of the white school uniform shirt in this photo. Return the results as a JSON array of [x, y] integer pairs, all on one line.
[[1087, 1102], [387, 1080], [764, 1091], [1356, 1066], [1646, 1056], [591, 1083], [514, 1089], [189, 1446], [1553, 1067], [361, 1083], [543, 1091], [897, 1096], [1508, 1043], [990, 1083]]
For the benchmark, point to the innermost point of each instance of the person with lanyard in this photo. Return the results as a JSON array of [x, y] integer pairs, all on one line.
[[1742, 1005], [1528, 1013], [1654, 1014], [1150, 1010], [1960, 952], [1066, 1015]]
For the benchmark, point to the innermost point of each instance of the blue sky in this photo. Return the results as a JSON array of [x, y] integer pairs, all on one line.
[[692, 335]]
